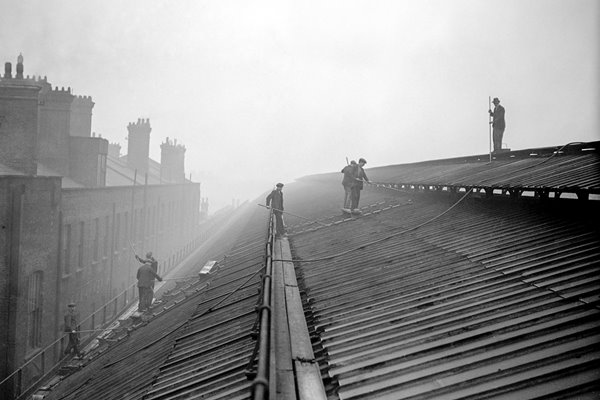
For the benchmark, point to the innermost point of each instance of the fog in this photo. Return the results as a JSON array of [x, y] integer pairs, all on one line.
[[268, 91]]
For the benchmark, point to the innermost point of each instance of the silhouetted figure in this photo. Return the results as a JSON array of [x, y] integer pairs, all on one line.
[[72, 328], [348, 182], [275, 200], [359, 177], [498, 124], [145, 282]]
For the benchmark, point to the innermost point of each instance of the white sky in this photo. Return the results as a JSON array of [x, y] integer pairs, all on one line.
[[268, 91]]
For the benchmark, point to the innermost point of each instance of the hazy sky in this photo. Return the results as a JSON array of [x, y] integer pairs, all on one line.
[[268, 91]]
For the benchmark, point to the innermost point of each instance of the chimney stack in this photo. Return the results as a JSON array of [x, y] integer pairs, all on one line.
[[20, 67], [172, 159], [81, 116], [138, 145], [7, 70]]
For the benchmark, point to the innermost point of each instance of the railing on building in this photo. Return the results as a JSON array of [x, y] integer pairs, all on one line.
[[93, 323], [13, 385], [97, 321]]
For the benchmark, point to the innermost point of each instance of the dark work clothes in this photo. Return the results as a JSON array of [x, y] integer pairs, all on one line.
[[358, 186], [275, 200], [499, 124], [145, 278], [349, 172], [361, 176], [152, 261], [71, 321], [72, 327], [498, 115]]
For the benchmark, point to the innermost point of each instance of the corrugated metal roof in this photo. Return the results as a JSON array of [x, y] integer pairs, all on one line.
[[573, 171], [200, 347], [496, 298], [211, 356]]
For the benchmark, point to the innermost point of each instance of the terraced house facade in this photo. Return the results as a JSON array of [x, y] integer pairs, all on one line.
[[73, 211]]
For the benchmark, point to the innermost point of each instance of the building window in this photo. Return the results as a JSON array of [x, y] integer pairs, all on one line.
[[138, 226], [80, 245], [101, 170], [125, 229], [67, 250], [134, 224], [106, 235], [96, 243], [117, 232], [161, 219], [152, 224], [34, 310]]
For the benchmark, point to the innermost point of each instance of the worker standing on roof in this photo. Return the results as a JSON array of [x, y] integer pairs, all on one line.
[[359, 177], [149, 259], [348, 182], [72, 328], [145, 283], [498, 124], [275, 200]]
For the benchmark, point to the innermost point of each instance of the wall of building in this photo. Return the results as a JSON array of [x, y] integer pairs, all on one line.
[[172, 159], [81, 116], [78, 244], [19, 125], [74, 245], [138, 145], [100, 227], [29, 224], [54, 128], [87, 161]]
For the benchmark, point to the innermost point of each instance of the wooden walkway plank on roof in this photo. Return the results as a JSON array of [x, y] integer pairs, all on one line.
[[296, 370]]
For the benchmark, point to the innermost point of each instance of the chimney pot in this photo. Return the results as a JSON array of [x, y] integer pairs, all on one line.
[[7, 70]]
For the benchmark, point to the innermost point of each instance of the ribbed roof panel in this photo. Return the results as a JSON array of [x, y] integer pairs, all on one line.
[[495, 298]]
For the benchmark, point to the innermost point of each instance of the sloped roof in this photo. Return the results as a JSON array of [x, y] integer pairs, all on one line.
[[118, 173], [42, 170], [202, 344], [571, 168], [429, 294], [5, 170], [493, 298], [66, 182]]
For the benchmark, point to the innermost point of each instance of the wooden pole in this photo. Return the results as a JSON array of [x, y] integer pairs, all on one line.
[[490, 126]]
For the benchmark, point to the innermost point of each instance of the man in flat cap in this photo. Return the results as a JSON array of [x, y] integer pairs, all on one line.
[[360, 176], [72, 327], [498, 124], [275, 200]]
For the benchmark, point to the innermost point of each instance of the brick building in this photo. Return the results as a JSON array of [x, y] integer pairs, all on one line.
[[72, 213]]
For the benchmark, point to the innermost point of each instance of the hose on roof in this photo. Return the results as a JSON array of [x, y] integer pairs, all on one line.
[[211, 308], [362, 246]]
